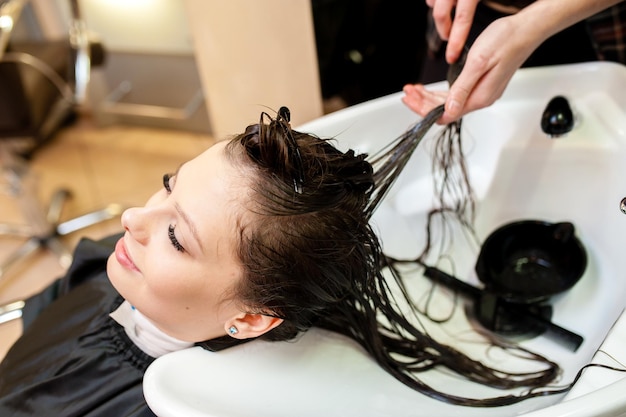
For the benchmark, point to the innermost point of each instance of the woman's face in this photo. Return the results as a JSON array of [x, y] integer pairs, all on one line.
[[176, 262]]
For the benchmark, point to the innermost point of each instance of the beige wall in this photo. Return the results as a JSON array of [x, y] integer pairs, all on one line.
[[253, 55], [129, 26], [50, 17]]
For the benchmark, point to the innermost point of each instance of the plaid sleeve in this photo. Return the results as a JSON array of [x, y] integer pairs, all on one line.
[[608, 30]]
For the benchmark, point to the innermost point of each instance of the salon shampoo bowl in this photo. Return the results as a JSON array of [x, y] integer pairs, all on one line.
[[517, 173]]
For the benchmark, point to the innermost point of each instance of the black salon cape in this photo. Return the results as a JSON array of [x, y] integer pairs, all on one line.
[[73, 359]]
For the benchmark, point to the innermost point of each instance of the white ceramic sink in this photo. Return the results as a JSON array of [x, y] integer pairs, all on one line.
[[517, 173]]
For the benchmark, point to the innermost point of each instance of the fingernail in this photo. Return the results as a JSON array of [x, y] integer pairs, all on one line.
[[453, 107]]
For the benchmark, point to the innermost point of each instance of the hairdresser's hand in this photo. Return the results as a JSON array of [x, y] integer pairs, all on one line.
[[489, 67], [420, 100], [455, 30], [500, 50]]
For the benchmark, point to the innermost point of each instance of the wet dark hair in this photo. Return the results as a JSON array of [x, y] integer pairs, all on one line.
[[309, 245], [310, 257]]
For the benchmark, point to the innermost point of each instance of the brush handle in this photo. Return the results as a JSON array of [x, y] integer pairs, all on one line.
[[564, 336]]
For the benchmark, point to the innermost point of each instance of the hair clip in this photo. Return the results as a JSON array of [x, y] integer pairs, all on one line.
[[285, 115]]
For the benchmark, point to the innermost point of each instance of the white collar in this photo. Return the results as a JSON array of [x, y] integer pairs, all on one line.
[[144, 333]]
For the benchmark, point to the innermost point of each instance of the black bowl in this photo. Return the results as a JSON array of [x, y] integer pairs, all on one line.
[[530, 261]]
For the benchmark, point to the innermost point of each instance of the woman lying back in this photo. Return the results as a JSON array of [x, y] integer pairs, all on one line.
[[262, 236]]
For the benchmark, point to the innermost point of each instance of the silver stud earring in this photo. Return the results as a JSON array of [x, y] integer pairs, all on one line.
[[233, 330]]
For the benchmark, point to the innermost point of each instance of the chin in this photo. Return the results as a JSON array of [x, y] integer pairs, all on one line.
[[114, 269], [113, 266]]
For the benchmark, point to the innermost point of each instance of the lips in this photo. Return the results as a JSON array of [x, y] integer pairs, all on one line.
[[122, 256]]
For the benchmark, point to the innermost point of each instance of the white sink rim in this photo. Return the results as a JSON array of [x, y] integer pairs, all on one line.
[[604, 401]]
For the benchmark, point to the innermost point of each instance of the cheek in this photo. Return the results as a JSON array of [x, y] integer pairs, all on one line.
[[197, 295], [177, 282], [183, 300]]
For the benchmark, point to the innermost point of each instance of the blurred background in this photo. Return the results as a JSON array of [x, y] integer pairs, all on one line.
[[159, 53]]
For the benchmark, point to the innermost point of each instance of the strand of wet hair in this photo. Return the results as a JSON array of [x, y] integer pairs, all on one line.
[[389, 162], [370, 313], [448, 154], [399, 338]]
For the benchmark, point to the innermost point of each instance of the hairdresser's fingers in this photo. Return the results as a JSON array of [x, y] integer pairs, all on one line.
[[455, 103], [461, 25], [469, 95], [442, 16], [412, 99], [491, 85], [489, 67], [479, 62], [487, 90], [421, 100]]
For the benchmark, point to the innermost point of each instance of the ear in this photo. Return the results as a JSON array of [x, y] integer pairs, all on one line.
[[251, 325]]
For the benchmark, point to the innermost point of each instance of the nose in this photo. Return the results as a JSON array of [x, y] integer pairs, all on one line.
[[135, 221]]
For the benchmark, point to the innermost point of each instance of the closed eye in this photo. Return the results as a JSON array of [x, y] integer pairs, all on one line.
[[174, 240], [166, 182]]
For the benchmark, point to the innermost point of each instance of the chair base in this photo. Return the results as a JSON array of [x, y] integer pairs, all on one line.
[[51, 240], [11, 311], [43, 229]]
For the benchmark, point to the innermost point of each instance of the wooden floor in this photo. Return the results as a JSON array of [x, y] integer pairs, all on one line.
[[120, 164]]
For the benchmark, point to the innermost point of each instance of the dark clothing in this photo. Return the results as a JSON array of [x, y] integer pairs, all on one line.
[[73, 359]]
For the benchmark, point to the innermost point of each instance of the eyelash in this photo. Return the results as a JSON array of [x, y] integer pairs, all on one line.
[[170, 228], [166, 182], [175, 242]]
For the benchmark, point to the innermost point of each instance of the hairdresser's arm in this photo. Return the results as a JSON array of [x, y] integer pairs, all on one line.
[[500, 50]]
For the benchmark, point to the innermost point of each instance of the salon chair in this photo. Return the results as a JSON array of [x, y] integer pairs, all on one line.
[[42, 84]]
